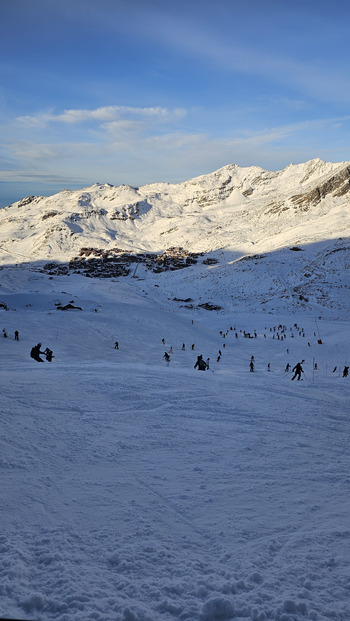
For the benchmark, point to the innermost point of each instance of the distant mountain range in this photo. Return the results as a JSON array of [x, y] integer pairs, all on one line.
[[235, 217]]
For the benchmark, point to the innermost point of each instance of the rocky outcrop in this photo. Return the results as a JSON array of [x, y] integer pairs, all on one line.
[[337, 185]]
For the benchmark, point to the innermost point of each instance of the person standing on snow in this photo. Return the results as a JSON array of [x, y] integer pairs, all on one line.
[[201, 364], [298, 370]]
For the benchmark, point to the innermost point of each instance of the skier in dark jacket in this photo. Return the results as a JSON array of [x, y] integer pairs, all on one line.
[[345, 371], [16, 335], [298, 370], [201, 364], [49, 354], [36, 353]]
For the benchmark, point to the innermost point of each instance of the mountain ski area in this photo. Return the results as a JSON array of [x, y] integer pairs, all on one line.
[[136, 486]]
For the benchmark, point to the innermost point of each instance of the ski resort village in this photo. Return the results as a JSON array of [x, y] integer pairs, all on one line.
[[175, 415]]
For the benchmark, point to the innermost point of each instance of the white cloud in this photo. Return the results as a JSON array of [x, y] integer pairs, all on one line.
[[102, 114]]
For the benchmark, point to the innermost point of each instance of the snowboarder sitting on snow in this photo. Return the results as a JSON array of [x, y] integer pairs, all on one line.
[[201, 364], [35, 353], [49, 354], [298, 370]]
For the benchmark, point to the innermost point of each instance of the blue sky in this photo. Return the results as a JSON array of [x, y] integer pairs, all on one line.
[[139, 91]]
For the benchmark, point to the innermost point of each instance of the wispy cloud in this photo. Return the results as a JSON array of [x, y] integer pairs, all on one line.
[[132, 150], [314, 76], [101, 115]]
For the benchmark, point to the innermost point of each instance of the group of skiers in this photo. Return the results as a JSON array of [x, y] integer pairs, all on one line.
[[35, 352], [280, 332], [5, 335]]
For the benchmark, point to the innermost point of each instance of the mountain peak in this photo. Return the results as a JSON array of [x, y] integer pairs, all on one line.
[[231, 207]]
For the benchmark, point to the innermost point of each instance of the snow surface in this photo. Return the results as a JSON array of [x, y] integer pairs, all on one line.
[[137, 491]]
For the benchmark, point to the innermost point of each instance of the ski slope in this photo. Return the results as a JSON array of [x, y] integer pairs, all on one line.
[[137, 491]]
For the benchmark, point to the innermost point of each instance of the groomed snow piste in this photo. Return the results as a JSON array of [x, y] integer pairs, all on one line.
[[137, 491]]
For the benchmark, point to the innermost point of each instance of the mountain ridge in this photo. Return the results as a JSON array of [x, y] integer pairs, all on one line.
[[233, 207]]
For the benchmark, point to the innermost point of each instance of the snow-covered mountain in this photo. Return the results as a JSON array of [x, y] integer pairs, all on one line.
[[247, 220]]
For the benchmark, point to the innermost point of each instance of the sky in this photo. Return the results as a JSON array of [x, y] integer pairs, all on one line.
[[142, 91]]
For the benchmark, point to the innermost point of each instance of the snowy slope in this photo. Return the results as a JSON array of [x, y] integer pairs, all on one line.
[[137, 491]]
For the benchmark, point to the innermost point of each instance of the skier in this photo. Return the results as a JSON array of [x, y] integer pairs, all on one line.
[[298, 370], [4, 333], [201, 364], [116, 345], [49, 354], [208, 360], [16, 335], [251, 366], [166, 357], [183, 347], [35, 353], [192, 346], [171, 350], [163, 341], [345, 371], [287, 367]]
